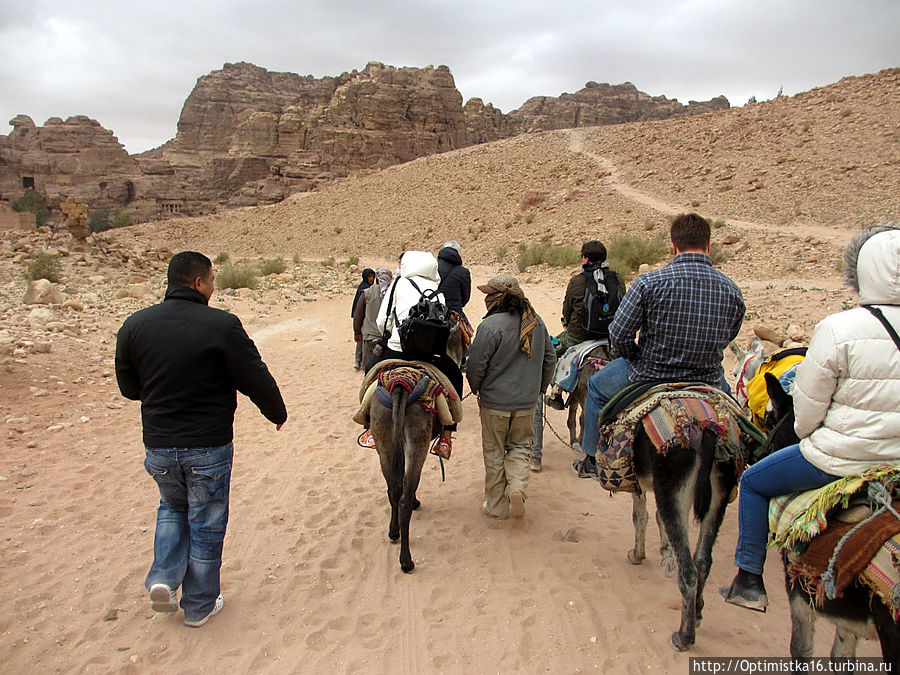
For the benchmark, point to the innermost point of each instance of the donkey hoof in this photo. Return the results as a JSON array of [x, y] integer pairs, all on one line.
[[670, 567], [679, 642], [394, 537], [634, 558], [407, 567]]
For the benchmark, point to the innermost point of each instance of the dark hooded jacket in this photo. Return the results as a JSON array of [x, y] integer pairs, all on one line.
[[363, 285], [456, 282]]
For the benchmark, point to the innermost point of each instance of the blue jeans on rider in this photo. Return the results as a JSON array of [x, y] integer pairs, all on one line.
[[194, 487], [780, 473], [603, 385]]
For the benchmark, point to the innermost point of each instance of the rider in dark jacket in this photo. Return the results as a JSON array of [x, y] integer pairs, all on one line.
[[456, 282]]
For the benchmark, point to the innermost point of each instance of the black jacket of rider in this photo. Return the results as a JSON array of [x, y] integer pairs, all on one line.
[[456, 282]]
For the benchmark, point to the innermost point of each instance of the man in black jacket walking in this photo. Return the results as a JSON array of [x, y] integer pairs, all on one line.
[[185, 362]]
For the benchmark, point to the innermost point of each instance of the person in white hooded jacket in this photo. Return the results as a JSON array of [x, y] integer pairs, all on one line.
[[846, 396], [421, 268]]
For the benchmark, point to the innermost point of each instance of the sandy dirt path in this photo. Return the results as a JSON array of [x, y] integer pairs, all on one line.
[[311, 582]]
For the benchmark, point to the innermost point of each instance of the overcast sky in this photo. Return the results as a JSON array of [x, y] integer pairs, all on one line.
[[131, 65]]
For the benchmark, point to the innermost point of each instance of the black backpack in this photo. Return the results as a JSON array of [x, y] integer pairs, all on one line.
[[601, 300], [426, 329]]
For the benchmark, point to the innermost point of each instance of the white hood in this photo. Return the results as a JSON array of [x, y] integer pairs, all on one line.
[[419, 264], [878, 269]]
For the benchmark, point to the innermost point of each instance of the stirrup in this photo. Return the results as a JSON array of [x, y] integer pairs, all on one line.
[[442, 447]]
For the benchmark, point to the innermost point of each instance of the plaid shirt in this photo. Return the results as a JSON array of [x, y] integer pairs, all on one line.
[[687, 313]]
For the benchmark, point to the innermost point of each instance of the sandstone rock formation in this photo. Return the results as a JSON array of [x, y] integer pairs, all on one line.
[[248, 136]]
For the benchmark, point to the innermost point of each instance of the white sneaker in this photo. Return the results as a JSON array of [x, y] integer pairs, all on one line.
[[220, 603], [163, 598]]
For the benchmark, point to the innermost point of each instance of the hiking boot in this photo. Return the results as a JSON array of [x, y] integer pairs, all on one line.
[[516, 504], [220, 603], [586, 468], [163, 598], [365, 439], [747, 590], [556, 401], [535, 464]]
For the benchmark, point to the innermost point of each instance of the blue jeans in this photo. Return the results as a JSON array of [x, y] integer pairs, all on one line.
[[780, 473], [603, 385], [537, 444], [190, 523]]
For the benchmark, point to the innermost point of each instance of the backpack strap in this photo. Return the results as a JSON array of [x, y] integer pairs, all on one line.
[[878, 314], [414, 285], [387, 328]]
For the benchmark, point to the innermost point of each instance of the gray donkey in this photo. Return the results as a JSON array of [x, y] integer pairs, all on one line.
[[402, 436]]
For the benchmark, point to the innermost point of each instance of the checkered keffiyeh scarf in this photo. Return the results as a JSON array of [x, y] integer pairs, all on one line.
[[527, 324], [383, 278]]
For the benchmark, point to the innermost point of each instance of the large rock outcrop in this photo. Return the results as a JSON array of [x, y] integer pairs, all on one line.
[[598, 104], [248, 136]]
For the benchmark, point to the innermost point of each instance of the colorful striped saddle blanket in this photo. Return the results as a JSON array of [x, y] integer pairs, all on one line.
[[428, 387], [674, 415], [825, 554]]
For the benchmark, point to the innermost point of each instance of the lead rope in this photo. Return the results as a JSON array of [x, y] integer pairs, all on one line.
[[878, 494]]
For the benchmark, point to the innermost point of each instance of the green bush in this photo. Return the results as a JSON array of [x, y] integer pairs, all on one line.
[[353, 260], [274, 266], [328, 262], [222, 258], [33, 201], [626, 254], [558, 256], [717, 254], [122, 219], [236, 276], [98, 220], [43, 266]]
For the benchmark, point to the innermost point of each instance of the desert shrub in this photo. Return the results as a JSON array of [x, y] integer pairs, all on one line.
[[500, 252], [353, 260], [558, 256], [33, 201], [222, 258], [718, 254], [716, 224], [649, 224], [626, 254], [297, 259], [98, 220], [122, 219], [236, 276], [273, 266], [533, 199], [529, 218], [328, 262], [42, 266]]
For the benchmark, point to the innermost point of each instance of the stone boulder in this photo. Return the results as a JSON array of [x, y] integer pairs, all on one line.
[[42, 292]]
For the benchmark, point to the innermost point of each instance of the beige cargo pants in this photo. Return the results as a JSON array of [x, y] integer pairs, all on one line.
[[506, 437]]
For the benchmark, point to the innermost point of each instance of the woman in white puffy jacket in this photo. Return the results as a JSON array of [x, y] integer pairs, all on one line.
[[846, 405], [419, 268]]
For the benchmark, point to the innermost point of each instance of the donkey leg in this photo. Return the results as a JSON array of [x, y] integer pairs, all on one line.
[[673, 506], [666, 554], [803, 624], [418, 434], [709, 528], [844, 645], [639, 517]]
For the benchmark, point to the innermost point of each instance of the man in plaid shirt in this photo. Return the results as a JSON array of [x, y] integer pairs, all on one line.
[[687, 313]]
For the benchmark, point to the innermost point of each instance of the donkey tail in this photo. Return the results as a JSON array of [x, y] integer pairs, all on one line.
[[703, 489], [398, 464]]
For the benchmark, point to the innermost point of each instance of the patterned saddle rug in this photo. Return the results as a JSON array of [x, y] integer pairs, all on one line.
[[825, 553], [428, 387], [673, 415]]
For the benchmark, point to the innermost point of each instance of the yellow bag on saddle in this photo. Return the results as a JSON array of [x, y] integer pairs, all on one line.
[[777, 363]]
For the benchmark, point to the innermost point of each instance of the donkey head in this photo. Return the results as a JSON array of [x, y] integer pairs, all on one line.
[[779, 418]]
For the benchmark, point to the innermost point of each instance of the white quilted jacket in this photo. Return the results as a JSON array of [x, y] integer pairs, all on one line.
[[421, 267], [847, 390]]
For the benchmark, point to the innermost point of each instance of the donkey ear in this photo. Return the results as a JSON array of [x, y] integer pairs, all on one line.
[[756, 347], [782, 403], [735, 348]]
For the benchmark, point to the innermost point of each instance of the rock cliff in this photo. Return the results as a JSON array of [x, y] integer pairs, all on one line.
[[248, 136]]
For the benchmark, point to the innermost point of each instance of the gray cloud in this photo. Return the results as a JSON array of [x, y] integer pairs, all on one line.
[[131, 65]]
